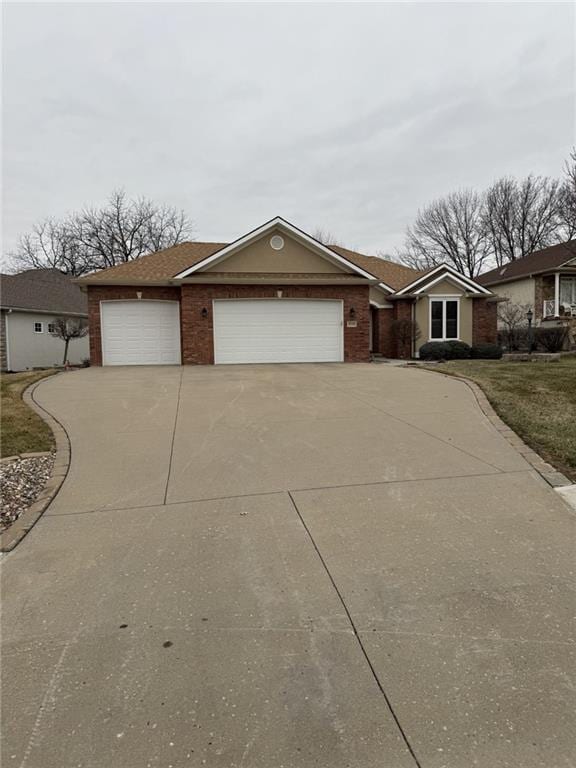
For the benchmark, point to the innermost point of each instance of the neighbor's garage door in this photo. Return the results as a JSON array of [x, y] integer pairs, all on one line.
[[277, 331], [140, 332]]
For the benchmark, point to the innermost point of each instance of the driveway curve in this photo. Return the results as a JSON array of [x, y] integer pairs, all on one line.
[[297, 565]]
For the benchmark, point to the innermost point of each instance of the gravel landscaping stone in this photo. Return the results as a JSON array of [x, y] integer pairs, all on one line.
[[22, 480]]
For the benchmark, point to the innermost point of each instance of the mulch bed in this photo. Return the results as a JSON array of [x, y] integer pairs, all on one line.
[[21, 481]]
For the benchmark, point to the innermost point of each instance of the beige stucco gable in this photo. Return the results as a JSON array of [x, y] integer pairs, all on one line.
[[293, 257], [445, 287], [379, 297]]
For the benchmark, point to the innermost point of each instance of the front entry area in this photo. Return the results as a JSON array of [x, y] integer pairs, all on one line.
[[278, 331], [140, 332]]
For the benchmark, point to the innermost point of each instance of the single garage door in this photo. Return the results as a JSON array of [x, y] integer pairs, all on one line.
[[277, 331], [140, 332]]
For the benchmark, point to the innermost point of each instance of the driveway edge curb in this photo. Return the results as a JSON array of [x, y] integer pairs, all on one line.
[[550, 474], [10, 538]]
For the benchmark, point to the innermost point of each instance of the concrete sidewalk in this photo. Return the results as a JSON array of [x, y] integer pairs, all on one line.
[[298, 565]]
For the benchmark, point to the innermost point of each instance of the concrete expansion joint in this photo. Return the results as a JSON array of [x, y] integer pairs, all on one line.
[[363, 650], [10, 538]]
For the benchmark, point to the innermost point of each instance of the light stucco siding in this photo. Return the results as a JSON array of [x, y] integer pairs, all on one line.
[[27, 349], [519, 291], [445, 288], [261, 257], [378, 296]]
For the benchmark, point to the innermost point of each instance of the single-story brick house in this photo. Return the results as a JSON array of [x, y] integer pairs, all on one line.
[[275, 295]]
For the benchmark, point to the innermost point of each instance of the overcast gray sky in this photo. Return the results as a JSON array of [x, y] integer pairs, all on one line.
[[345, 116]]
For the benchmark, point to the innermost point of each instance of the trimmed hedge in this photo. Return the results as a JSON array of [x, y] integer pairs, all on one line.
[[486, 352], [444, 350]]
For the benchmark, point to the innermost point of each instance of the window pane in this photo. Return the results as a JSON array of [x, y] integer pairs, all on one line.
[[451, 319], [38, 327], [436, 324], [567, 290]]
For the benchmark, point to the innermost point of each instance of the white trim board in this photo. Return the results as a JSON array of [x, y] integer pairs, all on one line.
[[443, 300], [278, 223], [443, 270]]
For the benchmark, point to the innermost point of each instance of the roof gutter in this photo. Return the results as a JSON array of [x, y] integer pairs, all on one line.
[[45, 311]]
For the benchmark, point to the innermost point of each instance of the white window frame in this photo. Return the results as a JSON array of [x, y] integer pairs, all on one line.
[[571, 281], [41, 327], [443, 300], [53, 327]]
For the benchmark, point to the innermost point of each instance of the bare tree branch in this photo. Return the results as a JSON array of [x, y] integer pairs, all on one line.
[[67, 328], [326, 237], [449, 230], [521, 216], [97, 238]]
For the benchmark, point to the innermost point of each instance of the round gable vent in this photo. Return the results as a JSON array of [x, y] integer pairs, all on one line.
[[277, 242]]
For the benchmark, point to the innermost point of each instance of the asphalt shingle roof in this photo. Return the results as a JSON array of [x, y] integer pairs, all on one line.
[[534, 263], [46, 290], [164, 265]]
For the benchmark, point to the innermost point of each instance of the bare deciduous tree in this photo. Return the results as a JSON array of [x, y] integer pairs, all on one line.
[[326, 237], [51, 244], [567, 202], [67, 328], [96, 238], [405, 331], [520, 217], [449, 230], [512, 318]]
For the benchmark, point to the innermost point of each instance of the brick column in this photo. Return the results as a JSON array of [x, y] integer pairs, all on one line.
[[403, 311], [484, 321], [382, 323]]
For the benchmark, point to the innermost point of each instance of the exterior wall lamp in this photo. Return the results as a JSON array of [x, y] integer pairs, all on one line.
[[204, 313], [352, 313]]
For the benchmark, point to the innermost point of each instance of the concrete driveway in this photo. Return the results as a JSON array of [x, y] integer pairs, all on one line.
[[287, 567]]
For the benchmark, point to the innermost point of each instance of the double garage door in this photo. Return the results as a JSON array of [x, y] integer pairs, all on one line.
[[245, 331]]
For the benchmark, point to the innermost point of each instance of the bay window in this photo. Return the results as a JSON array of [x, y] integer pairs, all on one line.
[[444, 319]]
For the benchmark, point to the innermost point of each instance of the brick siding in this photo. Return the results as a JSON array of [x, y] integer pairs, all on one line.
[[96, 294], [403, 311], [197, 332], [484, 322], [382, 332]]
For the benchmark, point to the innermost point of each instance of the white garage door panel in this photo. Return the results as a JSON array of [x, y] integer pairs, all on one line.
[[277, 331], [140, 333]]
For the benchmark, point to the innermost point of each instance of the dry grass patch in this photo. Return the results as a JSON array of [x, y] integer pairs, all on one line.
[[22, 430], [536, 399]]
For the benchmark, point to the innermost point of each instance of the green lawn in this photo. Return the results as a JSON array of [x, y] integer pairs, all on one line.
[[21, 429], [537, 400]]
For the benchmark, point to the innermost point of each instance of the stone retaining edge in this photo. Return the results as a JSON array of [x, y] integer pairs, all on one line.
[[549, 473]]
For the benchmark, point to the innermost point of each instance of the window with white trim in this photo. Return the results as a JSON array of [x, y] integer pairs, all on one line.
[[51, 327], [568, 290], [38, 328], [444, 319]]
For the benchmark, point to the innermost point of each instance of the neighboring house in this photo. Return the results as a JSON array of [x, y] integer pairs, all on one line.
[[544, 280], [275, 295], [29, 302]]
